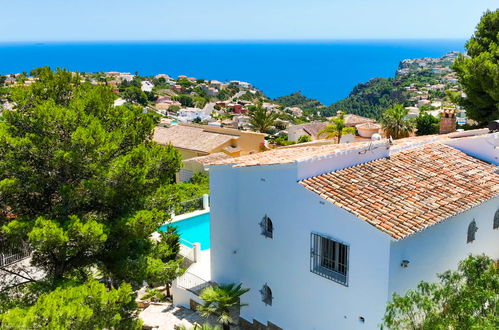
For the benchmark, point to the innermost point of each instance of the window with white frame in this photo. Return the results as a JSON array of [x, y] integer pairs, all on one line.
[[496, 220], [267, 227], [266, 293], [329, 258]]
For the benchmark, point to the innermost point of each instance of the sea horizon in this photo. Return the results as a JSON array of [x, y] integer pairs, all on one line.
[[325, 69], [277, 40]]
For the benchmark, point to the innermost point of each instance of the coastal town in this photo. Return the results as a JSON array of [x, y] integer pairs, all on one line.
[[428, 85], [433, 86], [208, 119], [132, 201]]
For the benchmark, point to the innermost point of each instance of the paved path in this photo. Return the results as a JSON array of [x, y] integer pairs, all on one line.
[[237, 95], [167, 316], [23, 267]]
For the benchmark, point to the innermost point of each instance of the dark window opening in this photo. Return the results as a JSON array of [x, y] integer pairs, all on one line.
[[496, 220], [472, 229], [266, 293], [267, 227]]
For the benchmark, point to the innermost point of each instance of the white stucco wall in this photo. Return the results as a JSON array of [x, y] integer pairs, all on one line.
[[302, 300], [240, 197], [440, 247], [485, 147], [223, 227], [183, 297], [294, 132]]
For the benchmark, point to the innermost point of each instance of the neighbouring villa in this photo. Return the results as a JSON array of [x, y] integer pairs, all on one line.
[[309, 129], [323, 235], [198, 141], [312, 129]]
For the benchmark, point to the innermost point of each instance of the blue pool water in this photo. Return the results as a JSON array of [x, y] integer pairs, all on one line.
[[193, 230]]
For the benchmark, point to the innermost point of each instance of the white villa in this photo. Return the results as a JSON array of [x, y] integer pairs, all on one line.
[[323, 235], [189, 114], [146, 86]]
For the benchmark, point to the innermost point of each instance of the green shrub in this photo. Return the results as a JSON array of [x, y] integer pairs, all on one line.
[[304, 138], [427, 124], [154, 295]]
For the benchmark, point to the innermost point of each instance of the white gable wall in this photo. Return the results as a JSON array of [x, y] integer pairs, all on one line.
[[441, 247], [294, 132], [484, 147], [224, 227], [302, 300]]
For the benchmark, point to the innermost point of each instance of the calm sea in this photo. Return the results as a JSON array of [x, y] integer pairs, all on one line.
[[326, 70]]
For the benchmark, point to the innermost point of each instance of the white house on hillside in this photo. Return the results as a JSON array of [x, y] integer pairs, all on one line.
[[146, 86], [323, 235], [189, 114]]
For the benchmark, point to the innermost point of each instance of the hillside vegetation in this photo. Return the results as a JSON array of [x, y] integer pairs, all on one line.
[[369, 99], [415, 79], [297, 99]]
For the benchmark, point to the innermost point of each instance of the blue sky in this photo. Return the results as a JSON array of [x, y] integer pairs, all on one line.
[[77, 20]]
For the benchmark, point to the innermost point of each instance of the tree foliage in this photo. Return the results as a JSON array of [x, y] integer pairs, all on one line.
[[304, 138], [166, 265], [81, 181], [395, 122], [135, 95], [464, 299], [297, 99], [184, 99], [261, 119], [478, 73], [336, 128], [369, 99], [426, 124], [228, 92], [87, 306]]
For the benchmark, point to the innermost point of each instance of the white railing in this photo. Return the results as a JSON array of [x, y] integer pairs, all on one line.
[[186, 249], [192, 282], [190, 250], [195, 204], [8, 258], [190, 205]]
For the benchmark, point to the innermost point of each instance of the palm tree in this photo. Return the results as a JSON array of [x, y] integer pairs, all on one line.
[[261, 119], [337, 128], [395, 123], [220, 301]]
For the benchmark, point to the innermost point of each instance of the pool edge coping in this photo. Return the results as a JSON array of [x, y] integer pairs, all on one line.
[[187, 216]]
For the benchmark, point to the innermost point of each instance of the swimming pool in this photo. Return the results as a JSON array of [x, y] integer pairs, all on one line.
[[193, 230]]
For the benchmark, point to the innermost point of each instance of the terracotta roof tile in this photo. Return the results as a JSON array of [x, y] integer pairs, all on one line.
[[324, 148], [204, 160], [352, 120], [312, 128], [290, 155], [192, 138], [411, 190]]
